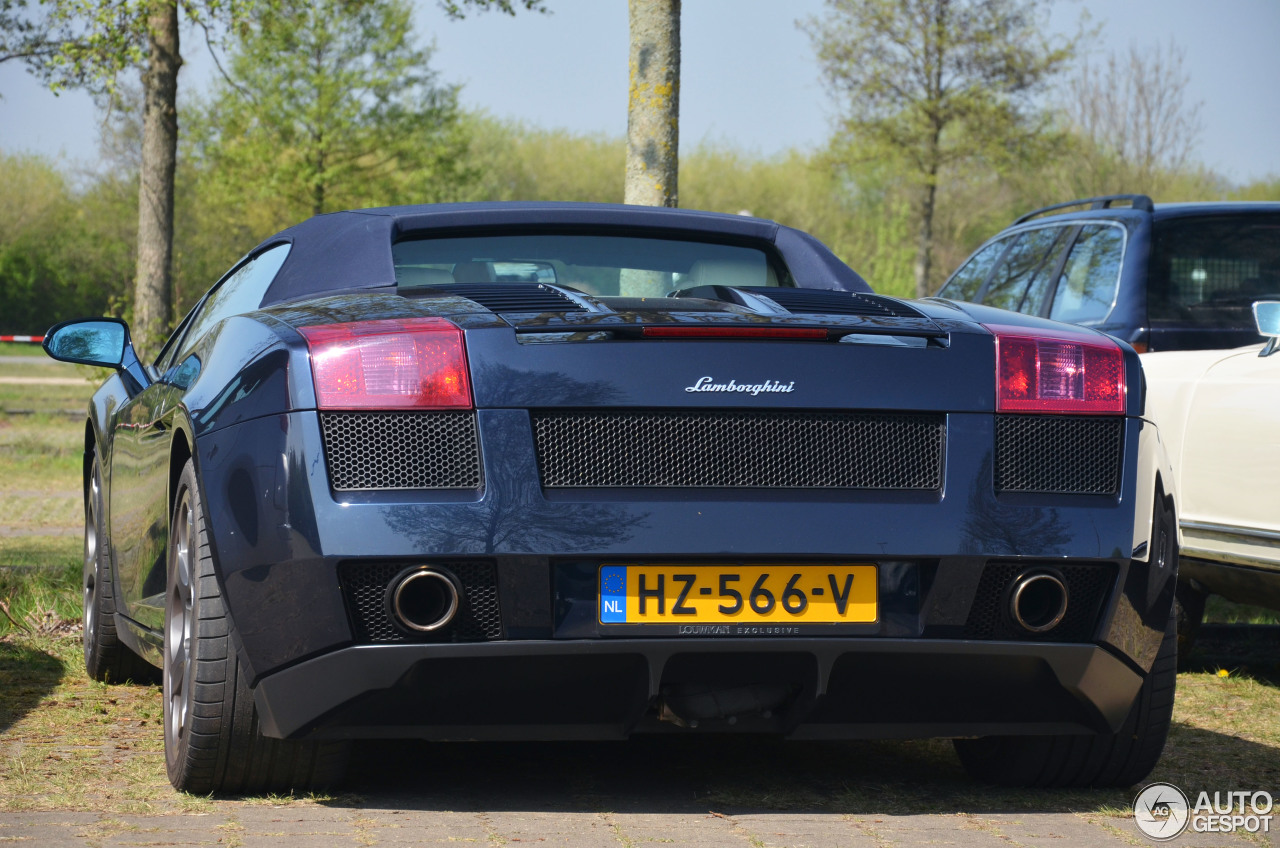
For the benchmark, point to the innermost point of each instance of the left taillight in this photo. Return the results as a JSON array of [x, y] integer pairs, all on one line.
[[1058, 373], [411, 363]]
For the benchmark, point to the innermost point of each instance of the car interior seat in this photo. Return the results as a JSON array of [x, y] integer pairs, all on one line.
[[413, 276], [474, 272]]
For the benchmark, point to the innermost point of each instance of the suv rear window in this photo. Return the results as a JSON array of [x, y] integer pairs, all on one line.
[[605, 266], [1209, 271]]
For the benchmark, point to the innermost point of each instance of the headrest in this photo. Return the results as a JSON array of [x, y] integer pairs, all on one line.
[[722, 272], [473, 272], [410, 275]]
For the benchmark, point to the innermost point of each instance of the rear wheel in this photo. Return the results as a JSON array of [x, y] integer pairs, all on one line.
[[212, 738], [1102, 759], [106, 658]]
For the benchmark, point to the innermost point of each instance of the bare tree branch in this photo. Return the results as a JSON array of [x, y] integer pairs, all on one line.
[[1135, 123]]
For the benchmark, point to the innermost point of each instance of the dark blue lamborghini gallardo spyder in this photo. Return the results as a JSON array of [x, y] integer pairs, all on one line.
[[560, 471]]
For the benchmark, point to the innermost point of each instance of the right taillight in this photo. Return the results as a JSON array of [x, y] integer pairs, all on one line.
[[411, 363], [1058, 373]]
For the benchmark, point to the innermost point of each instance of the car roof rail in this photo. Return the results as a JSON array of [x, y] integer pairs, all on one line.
[[1138, 201]]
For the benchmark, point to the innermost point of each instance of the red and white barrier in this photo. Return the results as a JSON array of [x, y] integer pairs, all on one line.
[[32, 339]]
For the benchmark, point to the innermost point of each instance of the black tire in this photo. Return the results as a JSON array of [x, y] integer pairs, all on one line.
[[106, 658], [212, 739], [1102, 759]]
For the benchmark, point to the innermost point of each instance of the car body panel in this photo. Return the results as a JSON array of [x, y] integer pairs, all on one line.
[[240, 401], [1219, 413], [301, 526], [1098, 689]]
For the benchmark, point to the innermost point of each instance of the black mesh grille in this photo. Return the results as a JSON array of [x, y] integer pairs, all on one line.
[[364, 585], [1058, 453], [401, 450], [1087, 589], [735, 449], [831, 302], [512, 297]]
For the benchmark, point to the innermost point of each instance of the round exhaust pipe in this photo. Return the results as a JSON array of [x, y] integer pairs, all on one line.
[[423, 599], [1038, 600]]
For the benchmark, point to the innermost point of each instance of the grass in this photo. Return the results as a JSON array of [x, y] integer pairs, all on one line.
[[1218, 610], [69, 743], [39, 453], [39, 598], [41, 508], [57, 727], [21, 349]]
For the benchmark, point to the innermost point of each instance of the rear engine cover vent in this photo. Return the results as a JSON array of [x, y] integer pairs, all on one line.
[[1058, 454], [811, 301], [513, 297], [740, 449]]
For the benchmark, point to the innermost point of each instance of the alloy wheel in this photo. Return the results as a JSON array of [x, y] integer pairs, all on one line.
[[179, 625], [89, 576]]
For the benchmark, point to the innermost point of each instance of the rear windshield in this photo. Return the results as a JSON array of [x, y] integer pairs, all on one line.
[[1209, 271], [605, 266]]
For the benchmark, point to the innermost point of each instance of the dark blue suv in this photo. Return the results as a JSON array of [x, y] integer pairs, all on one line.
[[1178, 276]]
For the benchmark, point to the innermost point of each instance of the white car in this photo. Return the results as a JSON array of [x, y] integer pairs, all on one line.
[[1218, 412]]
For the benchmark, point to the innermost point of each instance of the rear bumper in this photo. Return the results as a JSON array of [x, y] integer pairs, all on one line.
[[281, 539], [613, 688]]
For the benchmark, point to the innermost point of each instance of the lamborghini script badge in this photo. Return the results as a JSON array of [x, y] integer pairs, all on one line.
[[705, 384]]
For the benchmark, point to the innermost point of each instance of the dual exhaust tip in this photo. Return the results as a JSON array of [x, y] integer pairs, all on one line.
[[423, 599], [1038, 600]]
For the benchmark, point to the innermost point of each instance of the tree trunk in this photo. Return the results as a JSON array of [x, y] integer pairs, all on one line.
[[317, 192], [152, 298], [924, 248], [653, 109], [934, 58]]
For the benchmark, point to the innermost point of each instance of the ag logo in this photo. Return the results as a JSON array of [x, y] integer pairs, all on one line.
[[1161, 811]]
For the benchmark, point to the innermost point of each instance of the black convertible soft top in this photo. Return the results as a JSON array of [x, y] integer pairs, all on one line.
[[342, 251]]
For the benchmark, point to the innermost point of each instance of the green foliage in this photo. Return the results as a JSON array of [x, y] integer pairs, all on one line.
[[1264, 189], [854, 209], [932, 83], [929, 89], [340, 108], [89, 43], [64, 252], [327, 106], [514, 161], [75, 43], [1083, 170], [457, 9]]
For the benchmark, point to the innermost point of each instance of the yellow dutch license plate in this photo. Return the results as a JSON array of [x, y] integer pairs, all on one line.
[[740, 594]]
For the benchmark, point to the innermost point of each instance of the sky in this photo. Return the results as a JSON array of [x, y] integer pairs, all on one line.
[[748, 74]]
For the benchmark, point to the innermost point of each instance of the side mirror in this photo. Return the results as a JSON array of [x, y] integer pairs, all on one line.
[[98, 341], [1266, 314], [92, 341]]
